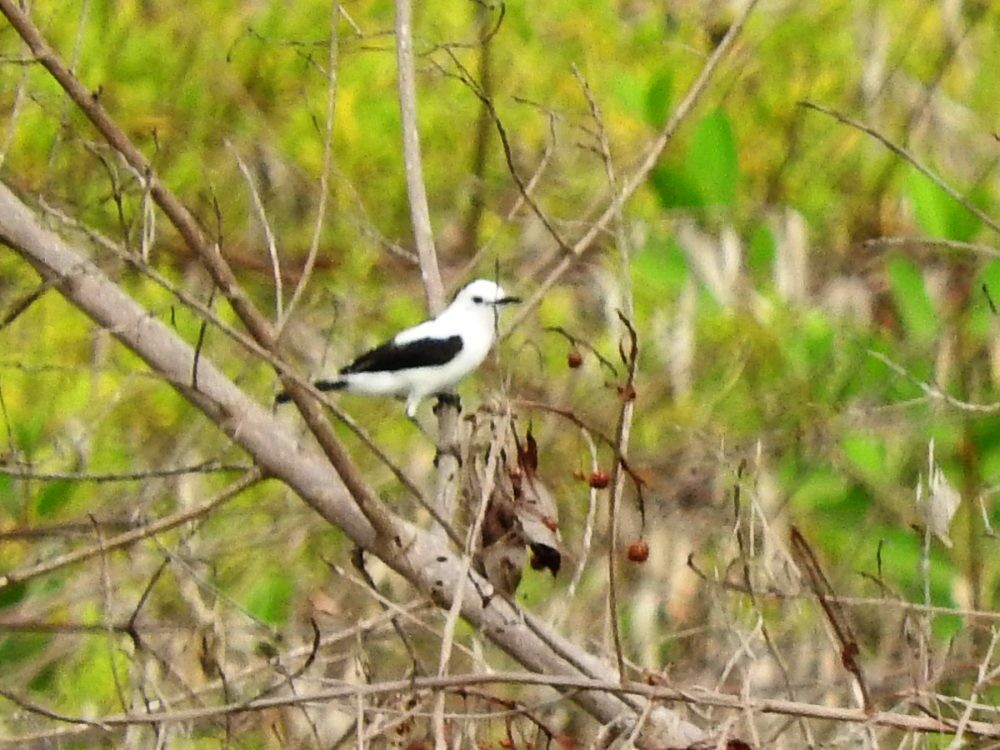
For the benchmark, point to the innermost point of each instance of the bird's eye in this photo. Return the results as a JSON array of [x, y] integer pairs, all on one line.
[[478, 300]]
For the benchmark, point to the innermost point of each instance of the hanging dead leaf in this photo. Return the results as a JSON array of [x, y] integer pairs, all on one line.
[[938, 506], [521, 515]]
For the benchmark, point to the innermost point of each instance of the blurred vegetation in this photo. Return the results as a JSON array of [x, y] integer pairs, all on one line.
[[767, 319]]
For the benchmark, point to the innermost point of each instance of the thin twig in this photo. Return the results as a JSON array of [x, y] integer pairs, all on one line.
[[630, 361], [21, 304], [744, 531], [362, 494], [34, 708], [423, 234], [249, 344], [933, 391], [907, 156], [251, 478], [589, 524], [972, 247], [472, 545], [622, 433], [638, 177], [272, 246], [694, 696], [846, 640], [982, 682], [523, 190], [324, 177]]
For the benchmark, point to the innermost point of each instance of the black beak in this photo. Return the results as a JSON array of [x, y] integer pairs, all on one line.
[[507, 301]]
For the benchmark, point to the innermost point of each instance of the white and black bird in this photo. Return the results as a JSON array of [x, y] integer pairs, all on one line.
[[428, 358]]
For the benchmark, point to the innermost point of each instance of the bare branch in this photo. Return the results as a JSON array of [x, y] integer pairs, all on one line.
[[972, 247], [907, 156], [638, 177], [211, 256], [272, 248], [420, 216], [417, 555], [932, 391], [251, 478], [324, 177], [906, 722]]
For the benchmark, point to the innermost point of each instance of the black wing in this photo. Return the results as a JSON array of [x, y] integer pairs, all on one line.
[[390, 357]]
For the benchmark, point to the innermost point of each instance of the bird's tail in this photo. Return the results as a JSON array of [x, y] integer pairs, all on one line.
[[330, 385], [324, 385]]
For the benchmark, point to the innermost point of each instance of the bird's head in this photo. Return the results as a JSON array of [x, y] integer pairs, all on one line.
[[481, 296]]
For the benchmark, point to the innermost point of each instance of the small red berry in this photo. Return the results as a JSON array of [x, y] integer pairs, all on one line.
[[638, 551], [599, 479], [574, 359]]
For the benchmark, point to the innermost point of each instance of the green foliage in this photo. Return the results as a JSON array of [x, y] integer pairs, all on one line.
[[13, 594], [938, 214], [659, 98], [270, 596], [708, 175], [8, 500], [920, 320], [867, 455], [54, 497], [830, 439], [19, 648]]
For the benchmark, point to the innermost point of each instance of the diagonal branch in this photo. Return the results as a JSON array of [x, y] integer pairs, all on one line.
[[211, 256], [907, 156]]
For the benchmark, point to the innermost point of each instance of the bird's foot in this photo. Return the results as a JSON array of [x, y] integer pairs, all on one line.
[[447, 399]]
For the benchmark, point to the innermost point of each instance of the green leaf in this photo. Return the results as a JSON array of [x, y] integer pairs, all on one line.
[[761, 253], [54, 497], [867, 454], [21, 647], [909, 293], [663, 269], [29, 432], [675, 188], [709, 172], [8, 501], [902, 556], [659, 97], [819, 489], [712, 160], [270, 598], [937, 213], [12, 594]]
